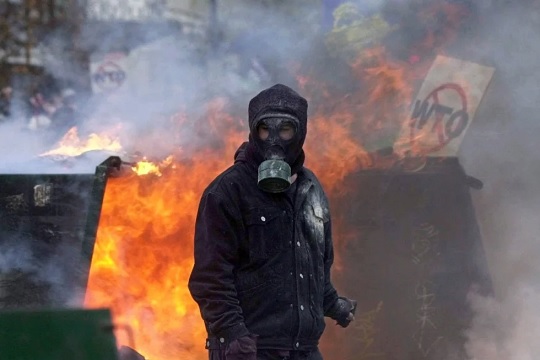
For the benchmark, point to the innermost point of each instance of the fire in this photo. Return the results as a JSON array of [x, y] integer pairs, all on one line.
[[144, 247], [146, 167], [72, 145], [145, 238], [348, 129]]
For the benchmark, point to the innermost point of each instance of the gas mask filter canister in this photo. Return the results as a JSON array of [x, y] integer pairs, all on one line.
[[274, 176]]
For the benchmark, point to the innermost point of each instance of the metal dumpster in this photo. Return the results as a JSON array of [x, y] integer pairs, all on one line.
[[57, 335], [48, 225], [410, 253]]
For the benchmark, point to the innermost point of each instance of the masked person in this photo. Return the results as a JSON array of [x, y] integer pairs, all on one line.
[[263, 244]]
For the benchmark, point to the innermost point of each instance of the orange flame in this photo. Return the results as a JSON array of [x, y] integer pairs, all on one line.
[[144, 247], [351, 128], [143, 252], [145, 167], [72, 145], [142, 259]]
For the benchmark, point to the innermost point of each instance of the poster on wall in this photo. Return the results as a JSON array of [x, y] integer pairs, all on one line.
[[108, 72]]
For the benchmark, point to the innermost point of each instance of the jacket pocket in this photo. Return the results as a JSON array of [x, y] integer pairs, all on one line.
[[269, 231]]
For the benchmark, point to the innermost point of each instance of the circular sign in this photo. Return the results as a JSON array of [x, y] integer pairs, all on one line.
[[449, 123], [109, 76]]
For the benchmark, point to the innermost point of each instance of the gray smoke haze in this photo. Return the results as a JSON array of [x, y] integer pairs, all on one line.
[[174, 72], [500, 149], [32, 275]]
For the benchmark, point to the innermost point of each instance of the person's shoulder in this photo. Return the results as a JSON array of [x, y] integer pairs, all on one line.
[[310, 175], [221, 183]]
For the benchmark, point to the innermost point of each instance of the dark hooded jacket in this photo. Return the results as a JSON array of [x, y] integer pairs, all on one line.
[[262, 260]]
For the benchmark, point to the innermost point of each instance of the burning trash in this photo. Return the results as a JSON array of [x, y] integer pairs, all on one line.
[[390, 128]]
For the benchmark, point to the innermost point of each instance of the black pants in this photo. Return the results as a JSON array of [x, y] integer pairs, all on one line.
[[293, 355], [273, 355]]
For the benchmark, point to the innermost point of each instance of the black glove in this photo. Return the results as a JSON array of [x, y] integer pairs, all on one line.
[[343, 311], [244, 348], [127, 353]]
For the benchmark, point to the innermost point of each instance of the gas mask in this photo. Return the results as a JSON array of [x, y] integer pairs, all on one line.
[[276, 137], [278, 127]]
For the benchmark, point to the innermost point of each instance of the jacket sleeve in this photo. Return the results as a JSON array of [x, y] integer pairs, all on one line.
[[330, 293], [212, 279]]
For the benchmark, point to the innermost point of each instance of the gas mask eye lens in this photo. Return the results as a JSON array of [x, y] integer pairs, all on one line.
[[286, 131], [263, 131]]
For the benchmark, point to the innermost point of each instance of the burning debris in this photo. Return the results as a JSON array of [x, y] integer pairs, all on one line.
[[143, 251], [396, 104], [71, 145]]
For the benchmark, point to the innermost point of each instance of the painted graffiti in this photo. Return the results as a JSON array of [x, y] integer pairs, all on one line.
[[424, 337], [425, 241], [366, 328]]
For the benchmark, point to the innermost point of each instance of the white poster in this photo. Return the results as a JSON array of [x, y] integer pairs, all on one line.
[[108, 72], [444, 107]]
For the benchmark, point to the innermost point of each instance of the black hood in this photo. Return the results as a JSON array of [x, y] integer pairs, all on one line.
[[279, 99], [275, 101]]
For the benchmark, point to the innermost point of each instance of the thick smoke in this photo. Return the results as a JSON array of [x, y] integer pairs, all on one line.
[[169, 69], [172, 74], [39, 261], [33, 274], [177, 73], [502, 150]]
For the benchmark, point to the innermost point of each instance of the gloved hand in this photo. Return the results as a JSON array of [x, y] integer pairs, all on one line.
[[127, 353], [244, 348], [343, 311]]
